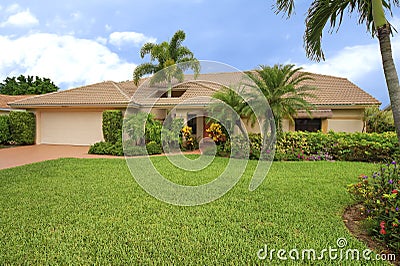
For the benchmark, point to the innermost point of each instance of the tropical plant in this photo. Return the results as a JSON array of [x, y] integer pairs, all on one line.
[[372, 13], [379, 121], [283, 88], [168, 60], [229, 116], [27, 85]]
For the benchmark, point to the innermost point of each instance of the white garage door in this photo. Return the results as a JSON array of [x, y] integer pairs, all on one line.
[[76, 128]]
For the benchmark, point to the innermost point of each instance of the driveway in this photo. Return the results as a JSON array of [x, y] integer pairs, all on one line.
[[11, 157]]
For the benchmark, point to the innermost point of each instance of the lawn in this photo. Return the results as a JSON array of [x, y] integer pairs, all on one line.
[[92, 211]]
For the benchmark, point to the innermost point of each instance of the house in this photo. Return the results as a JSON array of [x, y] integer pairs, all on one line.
[[5, 99], [74, 116]]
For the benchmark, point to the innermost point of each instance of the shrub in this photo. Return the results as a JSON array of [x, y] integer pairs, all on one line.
[[366, 147], [22, 127], [188, 140], [107, 148], [112, 125], [143, 128], [378, 120], [153, 148], [379, 195], [153, 130], [4, 129], [171, 132], [316, 146], [215, 131]]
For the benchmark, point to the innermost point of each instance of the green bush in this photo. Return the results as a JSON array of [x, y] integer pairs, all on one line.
[[107, 148], [22, 127], [112, 126], [364, 147], [378, 121], [379, 195], [4, 129], [153, 130], [316, 146], [153, 148]]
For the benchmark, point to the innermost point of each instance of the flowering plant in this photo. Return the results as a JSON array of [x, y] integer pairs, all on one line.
[[215, 132], [188, 138], [381, 202]]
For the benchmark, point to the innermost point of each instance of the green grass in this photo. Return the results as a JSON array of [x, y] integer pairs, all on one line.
[[82, 211]]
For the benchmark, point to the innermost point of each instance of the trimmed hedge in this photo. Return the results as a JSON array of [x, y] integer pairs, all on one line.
[[22, 127], [106, 148], [112, 125], [363, 147], [316, 146], [5, 135]]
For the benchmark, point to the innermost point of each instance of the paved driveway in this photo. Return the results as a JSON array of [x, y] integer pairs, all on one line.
[[11, 157]]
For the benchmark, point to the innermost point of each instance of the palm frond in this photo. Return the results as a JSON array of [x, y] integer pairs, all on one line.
[[285, 6], [176, 43]]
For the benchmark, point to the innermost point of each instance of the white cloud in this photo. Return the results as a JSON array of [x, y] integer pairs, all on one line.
[[355, 62], [101, 40], [13, 8], [64, 59], [119, 39], [21, 19]]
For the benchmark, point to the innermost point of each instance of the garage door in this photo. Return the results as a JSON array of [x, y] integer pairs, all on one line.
[[76, 128]]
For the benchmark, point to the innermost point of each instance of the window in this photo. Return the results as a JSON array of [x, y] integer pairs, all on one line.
[[192, 122], [174, 94], [311, 125]]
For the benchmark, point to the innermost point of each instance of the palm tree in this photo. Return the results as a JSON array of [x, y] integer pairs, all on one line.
[[230, 117], [168, 60], [369, 12], [282, 87]]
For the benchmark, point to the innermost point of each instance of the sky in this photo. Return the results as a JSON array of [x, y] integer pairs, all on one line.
[[77, 43]]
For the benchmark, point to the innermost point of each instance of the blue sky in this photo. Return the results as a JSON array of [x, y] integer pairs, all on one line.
[[82, 42]]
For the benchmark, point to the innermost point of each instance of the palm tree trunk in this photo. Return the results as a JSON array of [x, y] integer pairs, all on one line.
[[392, 80]]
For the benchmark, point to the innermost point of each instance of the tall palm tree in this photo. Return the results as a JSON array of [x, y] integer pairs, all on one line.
[[282, 87], [168, 60], [370, 12]]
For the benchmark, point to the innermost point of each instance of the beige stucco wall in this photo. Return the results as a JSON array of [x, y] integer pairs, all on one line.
[[346, 120], [69, 127], [285, 125], [348, 125], [159, 113]]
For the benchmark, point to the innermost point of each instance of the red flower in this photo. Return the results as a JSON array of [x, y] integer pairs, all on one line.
[[394, 191], [382, 224], [382, 231], [395, 225]]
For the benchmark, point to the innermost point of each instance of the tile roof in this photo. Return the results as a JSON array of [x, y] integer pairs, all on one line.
[[104, 93], [331, 91], [5, 99], [337, 91]]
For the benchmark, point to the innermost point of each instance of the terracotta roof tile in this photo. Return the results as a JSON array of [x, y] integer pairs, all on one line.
[[330, 91], [5, 99], [104, 93]]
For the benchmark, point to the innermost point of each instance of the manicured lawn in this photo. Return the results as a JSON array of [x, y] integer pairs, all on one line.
[[81, 211]]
